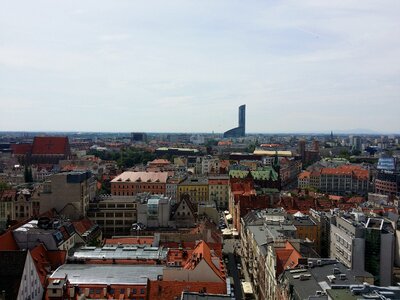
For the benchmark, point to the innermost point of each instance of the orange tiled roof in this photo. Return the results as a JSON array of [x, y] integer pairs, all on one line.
[[159, 162], [347, 170], [335, 198], [304, 174], [203, 252], [287, 257], [356, 200], [224, 143], [224, 163]]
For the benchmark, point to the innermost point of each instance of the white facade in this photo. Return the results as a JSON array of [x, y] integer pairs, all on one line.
[[30, 286]]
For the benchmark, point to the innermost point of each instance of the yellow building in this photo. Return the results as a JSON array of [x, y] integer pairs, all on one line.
[[306, 228], [218, 188], [196, 188]]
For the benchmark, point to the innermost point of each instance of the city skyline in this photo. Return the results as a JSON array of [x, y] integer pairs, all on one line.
[[104, 66]]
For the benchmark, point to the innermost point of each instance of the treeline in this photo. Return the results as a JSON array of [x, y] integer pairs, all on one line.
[[126, 158]]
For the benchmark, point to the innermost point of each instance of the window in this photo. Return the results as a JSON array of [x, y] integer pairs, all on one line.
[[142, 291], [133, 291]]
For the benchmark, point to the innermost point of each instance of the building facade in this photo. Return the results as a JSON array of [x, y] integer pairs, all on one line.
[[196, 188], [131, 183]]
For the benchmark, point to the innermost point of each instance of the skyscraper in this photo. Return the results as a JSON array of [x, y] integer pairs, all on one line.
[[239, 131]]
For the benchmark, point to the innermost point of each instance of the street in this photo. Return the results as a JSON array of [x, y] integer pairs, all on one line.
[[228, 251]]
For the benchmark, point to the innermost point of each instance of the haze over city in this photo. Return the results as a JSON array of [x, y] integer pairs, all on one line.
[[300, 66], [199, 150]]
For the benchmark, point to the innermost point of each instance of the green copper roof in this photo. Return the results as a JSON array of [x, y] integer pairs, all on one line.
[[238, 173], [265, 173]]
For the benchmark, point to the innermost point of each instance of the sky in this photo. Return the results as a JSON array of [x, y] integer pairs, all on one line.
[[186, 66]]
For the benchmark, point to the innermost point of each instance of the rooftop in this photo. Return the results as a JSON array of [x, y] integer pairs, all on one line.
[[126, 252], [108, 274], [307, 281], [195, 181], [149, 177]]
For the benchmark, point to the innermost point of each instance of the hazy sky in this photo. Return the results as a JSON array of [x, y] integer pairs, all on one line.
[[181, 66]]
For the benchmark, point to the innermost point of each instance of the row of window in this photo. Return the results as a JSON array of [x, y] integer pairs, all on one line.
[[121, 291], [139, 186]]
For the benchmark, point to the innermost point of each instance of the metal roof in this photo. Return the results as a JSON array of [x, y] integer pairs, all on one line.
[[127, 252], [108, 274]]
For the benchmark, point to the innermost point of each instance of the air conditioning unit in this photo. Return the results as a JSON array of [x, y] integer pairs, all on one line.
[[319, 262], [342, 276], [310, 264]]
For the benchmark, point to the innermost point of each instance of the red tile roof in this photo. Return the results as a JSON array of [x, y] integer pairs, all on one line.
[[8, 195], [171, 290], [160, 162], [347, 170], [7, 241], [83, 225], [212, 181], [335, 198], [21, 149], [203, 252], [45, 261], [287, 257], [50, 145], [224, 143], [304, 174], [130, 241], [357, 200]]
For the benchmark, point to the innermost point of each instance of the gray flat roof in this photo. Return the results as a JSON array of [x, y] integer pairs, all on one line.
[[108, 274], [127, 252], [318, 279]]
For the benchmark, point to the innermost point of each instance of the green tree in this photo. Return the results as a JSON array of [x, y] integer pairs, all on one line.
[[28, 174], [4, 186]]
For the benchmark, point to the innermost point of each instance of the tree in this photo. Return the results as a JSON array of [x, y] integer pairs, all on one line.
[[28, 174], [4, 186]]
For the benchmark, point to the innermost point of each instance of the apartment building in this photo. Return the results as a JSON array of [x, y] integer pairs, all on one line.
[[114, 214], [196, 188], [131, 183], [73, 188], [342, 180], [218, 188], [364, 244]]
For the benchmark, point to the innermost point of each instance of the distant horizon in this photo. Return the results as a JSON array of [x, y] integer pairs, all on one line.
[[205, 133]]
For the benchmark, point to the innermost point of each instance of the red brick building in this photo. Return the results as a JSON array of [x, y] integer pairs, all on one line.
[[43, 150], [131, 183]]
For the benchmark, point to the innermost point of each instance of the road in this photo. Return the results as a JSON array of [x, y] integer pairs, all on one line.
[[228, 250]]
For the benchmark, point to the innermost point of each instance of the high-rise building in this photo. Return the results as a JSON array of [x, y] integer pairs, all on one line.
[[239, 131], [302, 150]]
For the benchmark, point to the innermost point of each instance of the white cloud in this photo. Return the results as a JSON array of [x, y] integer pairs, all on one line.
[[131, 62]]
